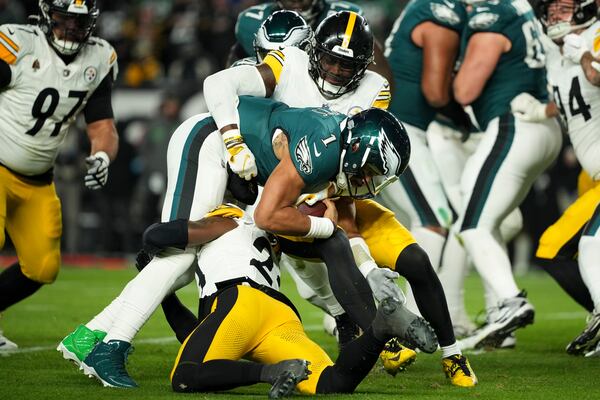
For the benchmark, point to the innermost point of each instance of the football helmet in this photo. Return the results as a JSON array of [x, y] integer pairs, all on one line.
[[308, 9], [561, 17], [282, 29], [68, 23], [342, 50], [375, 152]]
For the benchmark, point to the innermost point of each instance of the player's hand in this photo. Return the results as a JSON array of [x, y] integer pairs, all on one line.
[[331, 211], [312, 198], [527, 108], [573, 47], [97, 173], [241, 160], [381, 281]]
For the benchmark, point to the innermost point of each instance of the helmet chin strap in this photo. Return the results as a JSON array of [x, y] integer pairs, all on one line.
[[65, 47], [563, 28], [328, 89]]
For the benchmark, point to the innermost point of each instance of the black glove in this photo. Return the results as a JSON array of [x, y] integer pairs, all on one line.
[[165, 234], [455, 113]]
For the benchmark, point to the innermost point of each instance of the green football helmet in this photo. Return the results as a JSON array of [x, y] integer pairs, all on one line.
[[375, 152], [282, 29]]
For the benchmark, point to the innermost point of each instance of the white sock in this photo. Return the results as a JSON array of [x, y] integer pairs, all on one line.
[[452, 275], [104, 320], [432, 242], [303, 289], [589, 266], [146, 291], [491, 261], [451, 350]]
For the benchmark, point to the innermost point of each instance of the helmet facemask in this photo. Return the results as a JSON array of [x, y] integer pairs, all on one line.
[[68, 25], [562, 17], [335, 74]]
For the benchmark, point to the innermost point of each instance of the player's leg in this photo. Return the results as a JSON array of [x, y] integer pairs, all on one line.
[[589, 258], [496, 179], [241, 317], [32, 219]]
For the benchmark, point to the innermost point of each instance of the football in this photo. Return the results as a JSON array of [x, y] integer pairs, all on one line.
[[316, 210]]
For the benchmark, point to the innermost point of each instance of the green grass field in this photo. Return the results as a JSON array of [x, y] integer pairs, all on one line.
[[538, 368]]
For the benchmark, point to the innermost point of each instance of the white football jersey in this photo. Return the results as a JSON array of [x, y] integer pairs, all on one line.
[[579, 102], [44, 95], [242, 253], [296, 88]]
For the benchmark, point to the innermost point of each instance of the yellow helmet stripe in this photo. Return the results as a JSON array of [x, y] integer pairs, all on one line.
[[78, 2], [349, 29]]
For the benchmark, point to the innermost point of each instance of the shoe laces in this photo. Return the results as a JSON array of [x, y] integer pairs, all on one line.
[[459, 362]]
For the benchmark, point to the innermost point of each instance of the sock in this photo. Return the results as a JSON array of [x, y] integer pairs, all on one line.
[[491, 261], [452, 275], [432, 242], [214, 375], [146, 291], [450, 350], [14, 286], [589, 266], [104, 320], [566, 273]]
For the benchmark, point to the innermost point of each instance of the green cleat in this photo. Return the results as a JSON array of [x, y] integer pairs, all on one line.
[[78, 344], [107, 363]]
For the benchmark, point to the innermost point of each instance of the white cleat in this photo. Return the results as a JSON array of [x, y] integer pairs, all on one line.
[[7, 346]]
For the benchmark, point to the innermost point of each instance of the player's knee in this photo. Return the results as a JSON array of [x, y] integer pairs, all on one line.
[[414, 262], [43, 269], [185, 380]]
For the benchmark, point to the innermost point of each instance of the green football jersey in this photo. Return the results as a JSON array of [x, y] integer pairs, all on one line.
[[406, 59], [521, 69], [250, 19], [313, 136]]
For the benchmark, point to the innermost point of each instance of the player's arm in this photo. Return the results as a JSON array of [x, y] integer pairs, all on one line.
[[276, 211], [591, 68], [481, 57], [5, 74], [577, 50], [440, 47], [102, 133]]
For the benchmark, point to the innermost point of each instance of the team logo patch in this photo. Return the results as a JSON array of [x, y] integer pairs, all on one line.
[[444, 13], [302, 153], [391, 158], [90, 74], [483, 20]]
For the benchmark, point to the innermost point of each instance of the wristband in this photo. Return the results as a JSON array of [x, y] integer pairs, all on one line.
[[320, 228], [362, 256], [232, 138]]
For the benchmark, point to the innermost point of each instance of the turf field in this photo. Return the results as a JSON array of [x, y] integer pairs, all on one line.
[[537, 369]]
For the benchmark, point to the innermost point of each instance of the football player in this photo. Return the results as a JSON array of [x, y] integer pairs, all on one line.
[[334, 73], [49, 73], [569, 250], [233, 280], [369, 144], [503, 57], [313, 12]]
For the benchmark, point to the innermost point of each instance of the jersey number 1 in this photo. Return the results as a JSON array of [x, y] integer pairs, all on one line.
[[42, 115]]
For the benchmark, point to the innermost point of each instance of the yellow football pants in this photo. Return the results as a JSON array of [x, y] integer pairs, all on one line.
[[31, 214]]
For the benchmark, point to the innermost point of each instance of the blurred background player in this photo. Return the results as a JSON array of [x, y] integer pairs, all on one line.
[[49, 73], [503, 57]]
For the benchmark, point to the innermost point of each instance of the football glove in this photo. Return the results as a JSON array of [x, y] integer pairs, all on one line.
[[573, 47], [97, 173], [527, 108], [241, 160], [381, 281]]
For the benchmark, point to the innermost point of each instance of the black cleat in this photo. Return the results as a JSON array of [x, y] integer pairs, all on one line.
[[284, 376]]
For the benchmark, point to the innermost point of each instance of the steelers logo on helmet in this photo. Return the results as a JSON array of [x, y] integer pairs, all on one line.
[[342, 51], [280, 30], [561, 17], [68, 24], [375, 152]]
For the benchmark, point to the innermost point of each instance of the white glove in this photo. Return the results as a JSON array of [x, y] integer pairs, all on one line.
[[573, 47], [312, 198], [241, 160], [97, 173], [381, 281], [527, 108]]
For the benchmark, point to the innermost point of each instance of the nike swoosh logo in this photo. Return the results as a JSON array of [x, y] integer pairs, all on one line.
[[316, 151], [11, 31], [449, 4]]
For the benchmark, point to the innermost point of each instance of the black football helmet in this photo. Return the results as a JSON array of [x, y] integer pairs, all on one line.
[[375, 152], [308, 9], [68, 23], [344, 40], [583, 15]]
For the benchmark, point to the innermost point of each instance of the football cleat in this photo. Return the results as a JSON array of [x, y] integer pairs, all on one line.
[[595, 352], [106, 362], [347, 330], [459, 371], [512, 313], [396, 358], [78, 344], [393, 319], [6, 346], [588, 339], [285, 375]]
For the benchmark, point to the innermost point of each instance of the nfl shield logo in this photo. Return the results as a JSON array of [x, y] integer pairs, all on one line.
[[90, 74]]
